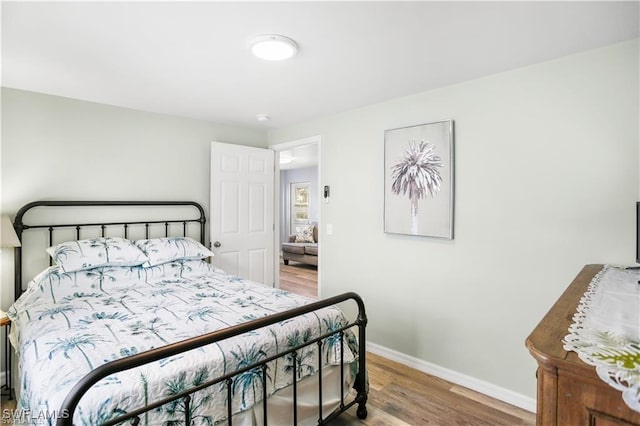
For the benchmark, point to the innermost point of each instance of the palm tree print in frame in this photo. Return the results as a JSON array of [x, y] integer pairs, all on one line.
[[418, 163]]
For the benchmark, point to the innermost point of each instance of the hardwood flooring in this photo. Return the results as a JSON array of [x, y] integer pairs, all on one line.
[[400, 396], [299, 278]]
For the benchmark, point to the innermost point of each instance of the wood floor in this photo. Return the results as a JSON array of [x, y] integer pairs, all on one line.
[[399, 396], [299, 278]]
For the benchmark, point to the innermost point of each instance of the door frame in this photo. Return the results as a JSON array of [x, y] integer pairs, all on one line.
[[312, 140]]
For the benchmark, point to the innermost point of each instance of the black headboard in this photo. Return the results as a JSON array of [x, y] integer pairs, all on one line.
[[110, 221]]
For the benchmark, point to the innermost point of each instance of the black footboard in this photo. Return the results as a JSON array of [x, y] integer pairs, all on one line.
[[65, 415]]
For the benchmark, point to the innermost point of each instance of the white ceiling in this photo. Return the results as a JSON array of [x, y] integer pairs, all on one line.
[[191, 59]]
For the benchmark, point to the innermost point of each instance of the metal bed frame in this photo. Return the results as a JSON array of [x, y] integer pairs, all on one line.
[[66, 412]]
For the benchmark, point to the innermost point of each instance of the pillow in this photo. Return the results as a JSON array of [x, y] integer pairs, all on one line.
[[79, 255], [304, 234], [163, 250]]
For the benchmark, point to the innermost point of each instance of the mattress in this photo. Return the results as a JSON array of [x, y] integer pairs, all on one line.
[[67, 324]]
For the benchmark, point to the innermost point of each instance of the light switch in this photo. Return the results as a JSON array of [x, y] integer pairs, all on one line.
[[329, 229]]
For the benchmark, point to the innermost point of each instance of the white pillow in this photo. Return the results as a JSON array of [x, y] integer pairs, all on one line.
[[79, 255], [163, 250], [304, 234]]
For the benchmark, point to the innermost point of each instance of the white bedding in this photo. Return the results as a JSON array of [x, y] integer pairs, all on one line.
[[65, 325]]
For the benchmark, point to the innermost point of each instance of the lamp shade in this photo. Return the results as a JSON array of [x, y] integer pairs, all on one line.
[[8, 237]]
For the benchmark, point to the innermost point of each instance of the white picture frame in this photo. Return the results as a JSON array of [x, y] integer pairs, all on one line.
[[418, 180]]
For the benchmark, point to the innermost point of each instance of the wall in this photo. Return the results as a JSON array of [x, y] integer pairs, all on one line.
[[60, 148], [306, 174], [546, 179]]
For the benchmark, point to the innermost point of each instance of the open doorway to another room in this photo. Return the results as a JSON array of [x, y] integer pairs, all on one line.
[[299, 207]]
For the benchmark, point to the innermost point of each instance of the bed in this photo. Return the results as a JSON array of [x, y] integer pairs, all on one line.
[[131, 322]]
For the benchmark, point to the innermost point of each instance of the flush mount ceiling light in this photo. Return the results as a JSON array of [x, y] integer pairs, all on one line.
[[263, 117], [273, 47]]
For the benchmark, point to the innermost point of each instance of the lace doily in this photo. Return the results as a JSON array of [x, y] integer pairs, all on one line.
[[606, 330]]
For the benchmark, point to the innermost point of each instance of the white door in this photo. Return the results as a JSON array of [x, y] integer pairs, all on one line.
[[242, 211]]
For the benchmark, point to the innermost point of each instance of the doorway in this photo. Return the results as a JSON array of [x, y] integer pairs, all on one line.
[[298, 202]]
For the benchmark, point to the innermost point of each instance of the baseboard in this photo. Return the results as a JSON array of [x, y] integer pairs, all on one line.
[[473, 383]]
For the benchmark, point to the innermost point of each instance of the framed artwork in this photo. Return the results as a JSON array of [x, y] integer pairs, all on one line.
[[418, 180], [299, 207]]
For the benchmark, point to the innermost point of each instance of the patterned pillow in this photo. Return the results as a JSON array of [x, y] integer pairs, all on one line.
[[304, 234], [79, 255], [163, 250]]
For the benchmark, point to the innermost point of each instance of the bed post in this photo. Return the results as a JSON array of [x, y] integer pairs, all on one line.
[[17, 275], [17, 253], [361, 384]]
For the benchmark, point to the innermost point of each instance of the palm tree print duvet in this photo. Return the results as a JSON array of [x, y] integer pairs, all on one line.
[[65, 325]]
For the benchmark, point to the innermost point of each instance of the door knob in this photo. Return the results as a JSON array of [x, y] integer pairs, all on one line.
[[217, 244]]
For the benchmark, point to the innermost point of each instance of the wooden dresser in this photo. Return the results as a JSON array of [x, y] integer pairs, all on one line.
[[570, 393]]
